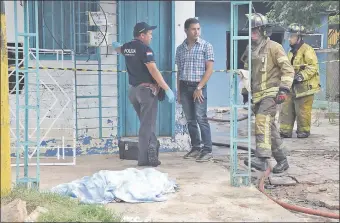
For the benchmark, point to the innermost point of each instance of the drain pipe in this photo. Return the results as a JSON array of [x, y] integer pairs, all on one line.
[[294, 207]]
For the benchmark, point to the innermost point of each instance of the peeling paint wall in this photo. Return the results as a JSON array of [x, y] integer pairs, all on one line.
[[58, 104]]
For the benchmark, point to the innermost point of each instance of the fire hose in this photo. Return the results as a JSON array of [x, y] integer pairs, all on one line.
[[266, 175], [294, 207]]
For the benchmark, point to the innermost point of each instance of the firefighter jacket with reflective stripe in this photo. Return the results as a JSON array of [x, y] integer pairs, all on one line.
[[270, 71], [305, 62]]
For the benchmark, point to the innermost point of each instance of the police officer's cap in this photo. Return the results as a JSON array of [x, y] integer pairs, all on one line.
[[142, 27]]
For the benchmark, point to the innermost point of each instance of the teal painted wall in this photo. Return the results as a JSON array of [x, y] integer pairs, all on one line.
[[215, 23], [154, 13]]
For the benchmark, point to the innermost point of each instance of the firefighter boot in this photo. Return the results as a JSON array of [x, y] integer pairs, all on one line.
[[302, 135], [259, 163], [285, 135], [281, 161]]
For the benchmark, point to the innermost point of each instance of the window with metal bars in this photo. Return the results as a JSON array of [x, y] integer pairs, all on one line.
[[63, 27]]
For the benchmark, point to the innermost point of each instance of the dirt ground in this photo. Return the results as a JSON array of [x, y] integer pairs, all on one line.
[[205, 193], [312, 180]]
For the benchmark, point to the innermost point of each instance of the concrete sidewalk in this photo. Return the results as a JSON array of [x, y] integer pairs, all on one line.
[[205, 193]]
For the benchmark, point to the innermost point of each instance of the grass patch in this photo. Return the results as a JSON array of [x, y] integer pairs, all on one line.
[[60, 208]]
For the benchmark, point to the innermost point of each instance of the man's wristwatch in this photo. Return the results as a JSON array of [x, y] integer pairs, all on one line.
[[199, 88]]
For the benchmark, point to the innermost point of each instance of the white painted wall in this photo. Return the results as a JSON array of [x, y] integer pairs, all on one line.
[[183, 11], [57, 104], [9, 10]]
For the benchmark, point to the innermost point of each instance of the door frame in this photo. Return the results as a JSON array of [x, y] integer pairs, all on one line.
[[120, 79]]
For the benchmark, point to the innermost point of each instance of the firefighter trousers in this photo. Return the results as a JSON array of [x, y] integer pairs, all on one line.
[[299, 109], [268, 140]]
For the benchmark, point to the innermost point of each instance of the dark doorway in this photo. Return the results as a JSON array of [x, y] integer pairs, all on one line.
[[242, 45]]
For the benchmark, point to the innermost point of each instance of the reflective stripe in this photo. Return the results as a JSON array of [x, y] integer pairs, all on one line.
[[263, 146], [262, 129], [267, 138], [256, 97], [310, 92], [282, 59], [304, 129], [264, 75], [286, 127], [287, 79]]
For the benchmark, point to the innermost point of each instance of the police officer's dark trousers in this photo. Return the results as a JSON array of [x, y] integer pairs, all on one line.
[[146, 105]]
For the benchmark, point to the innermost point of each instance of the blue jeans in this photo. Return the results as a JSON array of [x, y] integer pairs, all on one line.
[[196, 115]]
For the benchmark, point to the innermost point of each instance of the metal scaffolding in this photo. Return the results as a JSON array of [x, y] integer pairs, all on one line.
[[28, 106], [238, 177]]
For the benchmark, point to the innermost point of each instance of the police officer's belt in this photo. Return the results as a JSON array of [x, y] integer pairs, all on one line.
[[156, 90]]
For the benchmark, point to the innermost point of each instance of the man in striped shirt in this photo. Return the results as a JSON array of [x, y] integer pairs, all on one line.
[[195, 60]]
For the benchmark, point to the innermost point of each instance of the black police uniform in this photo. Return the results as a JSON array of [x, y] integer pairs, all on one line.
[[137, 54], [145, 103]]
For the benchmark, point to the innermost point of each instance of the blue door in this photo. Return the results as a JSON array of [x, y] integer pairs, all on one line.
[[157, 13]]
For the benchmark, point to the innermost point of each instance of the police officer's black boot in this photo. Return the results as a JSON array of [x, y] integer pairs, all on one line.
[[282, 162], [157, 148], [259, 163], [153, 153]]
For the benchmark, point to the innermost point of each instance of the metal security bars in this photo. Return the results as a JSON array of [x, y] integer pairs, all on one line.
[[96, 112], [57, 23]]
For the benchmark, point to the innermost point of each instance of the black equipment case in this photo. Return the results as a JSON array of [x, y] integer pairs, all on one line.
[[128, 149]]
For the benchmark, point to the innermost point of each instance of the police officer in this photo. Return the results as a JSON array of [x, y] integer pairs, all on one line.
[[306, 83], [146, 83], [271, 81]]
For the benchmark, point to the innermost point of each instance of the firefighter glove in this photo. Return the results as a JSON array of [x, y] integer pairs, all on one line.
[[245, 96], [298, 78], [281, 96]]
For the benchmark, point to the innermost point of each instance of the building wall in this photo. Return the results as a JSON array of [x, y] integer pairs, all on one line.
[[58, 104], [215, 22]]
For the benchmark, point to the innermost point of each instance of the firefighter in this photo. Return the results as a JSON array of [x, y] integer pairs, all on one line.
[[298, 104], [271, 80]]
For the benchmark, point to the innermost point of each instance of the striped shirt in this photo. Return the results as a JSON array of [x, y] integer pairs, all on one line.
[[191, 63]]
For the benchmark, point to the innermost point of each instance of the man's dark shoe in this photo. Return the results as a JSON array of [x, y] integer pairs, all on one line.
[[281, 166], [193, 153], [204, 156], [260, 164], [302, 135], [285, 135]]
